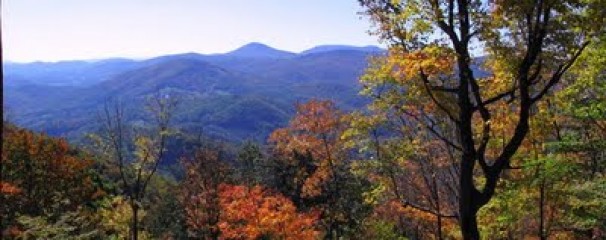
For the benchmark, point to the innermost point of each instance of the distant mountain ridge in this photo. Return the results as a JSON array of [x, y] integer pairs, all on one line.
[[90, 72], [245, 93]]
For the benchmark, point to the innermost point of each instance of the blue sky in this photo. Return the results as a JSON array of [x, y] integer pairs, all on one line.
[[52, 30]]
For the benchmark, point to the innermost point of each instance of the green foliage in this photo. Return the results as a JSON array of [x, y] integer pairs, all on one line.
[[79, 224], [165, 216], [252, 165], [379, 230], [586, 205]]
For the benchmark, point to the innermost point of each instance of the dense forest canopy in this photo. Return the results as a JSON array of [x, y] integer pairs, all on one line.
[[482, 120]]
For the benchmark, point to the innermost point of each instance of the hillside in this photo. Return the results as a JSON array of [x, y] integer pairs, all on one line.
[[241, 94]]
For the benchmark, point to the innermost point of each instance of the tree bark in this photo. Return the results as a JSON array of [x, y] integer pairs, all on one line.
[[468, 193], [467, 209], [469, 226]]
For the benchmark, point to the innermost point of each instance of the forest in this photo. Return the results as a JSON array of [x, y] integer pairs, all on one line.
[[482, 120]]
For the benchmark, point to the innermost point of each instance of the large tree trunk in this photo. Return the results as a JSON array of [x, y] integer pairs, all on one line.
[[468, 194], [467, 206], [469, 225]]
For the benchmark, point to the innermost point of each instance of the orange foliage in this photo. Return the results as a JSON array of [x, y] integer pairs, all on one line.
[[253, 213], [43, 167], [41, 174], [9, 189], [315, 128]]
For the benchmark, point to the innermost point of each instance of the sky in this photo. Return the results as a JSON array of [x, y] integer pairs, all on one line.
[[53, 30]]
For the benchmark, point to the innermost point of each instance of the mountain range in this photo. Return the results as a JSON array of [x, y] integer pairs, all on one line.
[[242, 94]]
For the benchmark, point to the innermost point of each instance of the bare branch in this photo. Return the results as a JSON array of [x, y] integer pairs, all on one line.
[[163, 111], [499, 96], [114, 131], [444, 89], [427, 210], [432, 129], [425, 79]]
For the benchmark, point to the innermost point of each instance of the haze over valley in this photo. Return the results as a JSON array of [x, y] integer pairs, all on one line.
[[241, 94]]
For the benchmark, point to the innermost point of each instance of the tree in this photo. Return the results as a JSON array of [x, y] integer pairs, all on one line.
[[166, 215], [413, 174], [116, 216], [259, 213], [43, 176], [309, 153], [530, 46], [200, 193], [315, 128], [252, 164], [556, 193], [137, 152]]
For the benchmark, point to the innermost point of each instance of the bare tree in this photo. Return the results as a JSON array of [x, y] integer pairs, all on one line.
[[137, 152]]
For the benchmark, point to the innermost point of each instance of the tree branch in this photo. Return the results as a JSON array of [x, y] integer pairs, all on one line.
[[555, 78], [425, 79], [427, 210], [431, 129]]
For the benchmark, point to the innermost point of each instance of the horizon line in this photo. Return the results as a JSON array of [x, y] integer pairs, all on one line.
[[142, 58]]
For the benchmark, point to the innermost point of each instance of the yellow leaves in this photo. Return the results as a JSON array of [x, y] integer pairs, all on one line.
[[116, 216], [144, 151], [372, 197], [359, 126], [433, 60], [400, 81]]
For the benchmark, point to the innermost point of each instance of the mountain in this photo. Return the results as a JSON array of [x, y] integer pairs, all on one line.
[[259, 50], [68, 73], [185, 74], [242, 94], [329, 48]]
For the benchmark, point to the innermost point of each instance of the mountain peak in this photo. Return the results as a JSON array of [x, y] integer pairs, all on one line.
[[259, 50], [256, 45]]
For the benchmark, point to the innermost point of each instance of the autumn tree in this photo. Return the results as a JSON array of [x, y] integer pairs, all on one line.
[[557, 192], [260, 213], [42, 177], [309, 153], [413, 174], [136, 151], [529, 47], [204, 173]]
